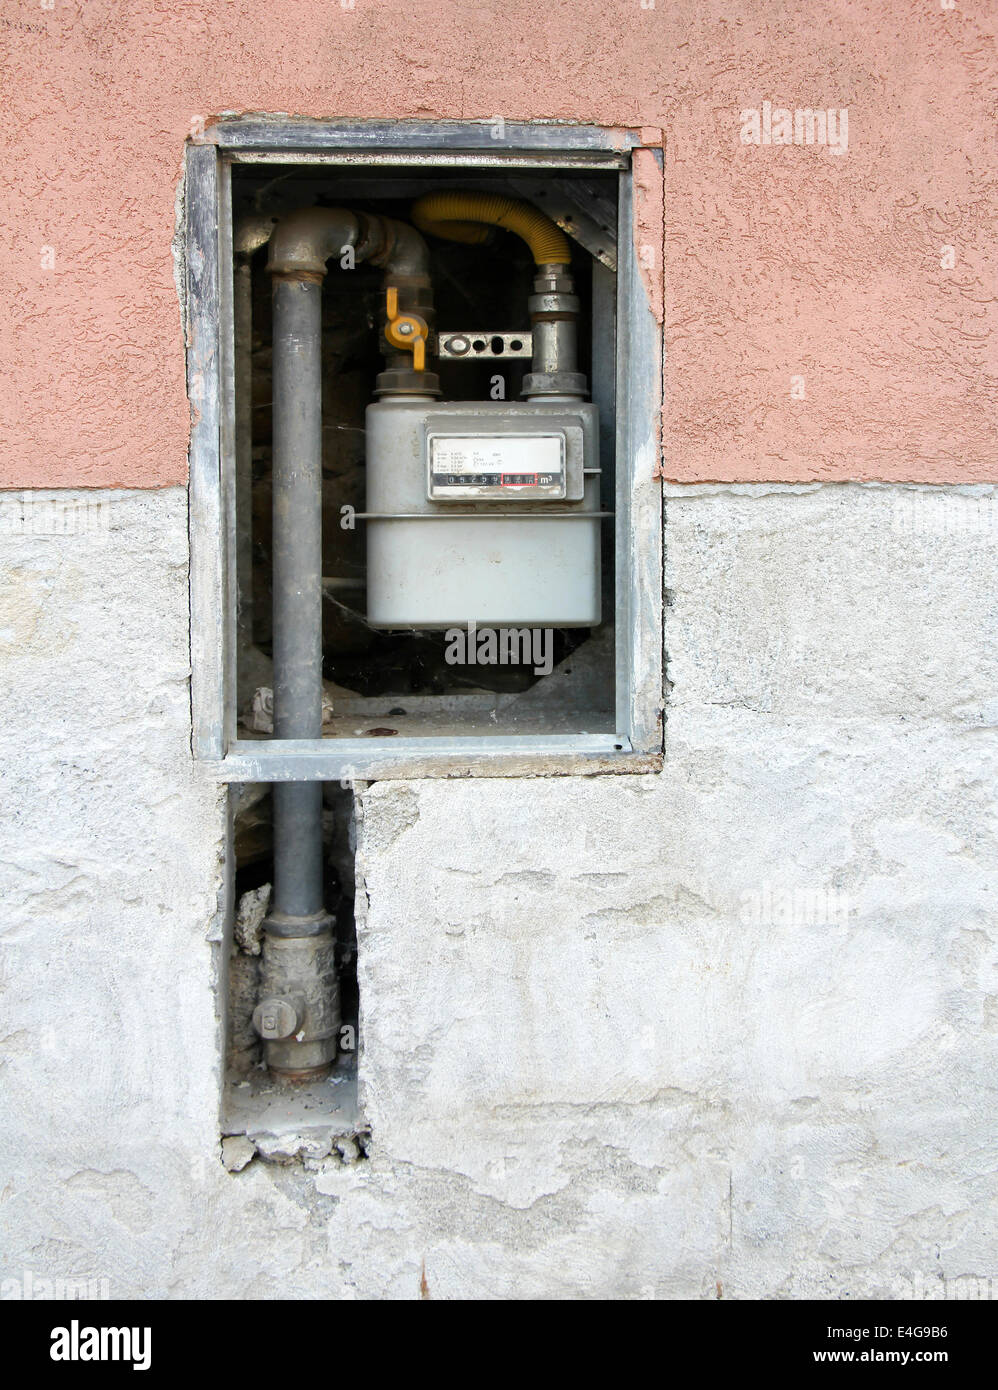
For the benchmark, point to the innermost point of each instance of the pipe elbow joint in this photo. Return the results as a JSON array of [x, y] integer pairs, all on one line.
[[403, 252], [251, 232], [303, 241]]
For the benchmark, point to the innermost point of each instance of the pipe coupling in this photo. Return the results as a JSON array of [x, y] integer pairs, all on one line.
[[554, 313], [298, 1016]]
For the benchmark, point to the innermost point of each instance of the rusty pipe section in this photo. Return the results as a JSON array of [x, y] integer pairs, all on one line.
[[298, 1016]]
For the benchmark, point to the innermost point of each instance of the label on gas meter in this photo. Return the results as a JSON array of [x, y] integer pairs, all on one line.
[[507, 468]]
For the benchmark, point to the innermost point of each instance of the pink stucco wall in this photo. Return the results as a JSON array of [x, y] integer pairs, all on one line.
[[779, 262]]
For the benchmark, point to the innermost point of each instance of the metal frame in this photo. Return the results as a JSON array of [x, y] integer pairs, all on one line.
[[211, 388]]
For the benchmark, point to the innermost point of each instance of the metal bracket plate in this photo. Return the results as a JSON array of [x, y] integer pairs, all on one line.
[[465, 344], [581, 209]]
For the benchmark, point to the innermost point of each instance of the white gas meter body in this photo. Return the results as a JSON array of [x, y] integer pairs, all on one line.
[[483, 512]]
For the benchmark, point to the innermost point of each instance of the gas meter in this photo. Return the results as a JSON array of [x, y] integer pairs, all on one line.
[[485, 512]]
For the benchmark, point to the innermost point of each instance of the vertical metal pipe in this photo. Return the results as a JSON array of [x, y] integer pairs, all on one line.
[[298, 849], [298, 1016], [298, 583], [243, 324], [252, 231], [554, 312], [299, 1013]]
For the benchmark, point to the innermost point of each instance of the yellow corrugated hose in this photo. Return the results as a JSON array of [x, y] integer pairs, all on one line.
[[459, 217]]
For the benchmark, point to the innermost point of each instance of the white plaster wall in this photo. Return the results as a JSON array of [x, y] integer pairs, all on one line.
[[589, 1067]]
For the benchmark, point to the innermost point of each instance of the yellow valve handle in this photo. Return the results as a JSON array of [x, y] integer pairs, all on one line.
[[406, 331]]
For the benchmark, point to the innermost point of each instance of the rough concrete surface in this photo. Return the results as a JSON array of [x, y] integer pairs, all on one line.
[[727, 1030]]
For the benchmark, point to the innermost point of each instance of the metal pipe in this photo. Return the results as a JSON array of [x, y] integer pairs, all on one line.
[[554, 315], [249, 234], [298, 1015], [554, 307], [297, 552], [253, 230], [403, 252], [459, 216], [306, 239]]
